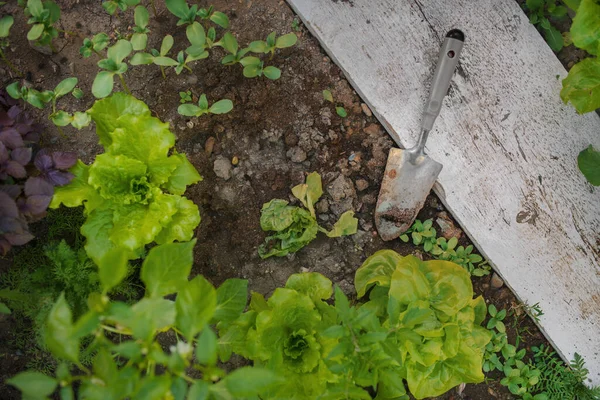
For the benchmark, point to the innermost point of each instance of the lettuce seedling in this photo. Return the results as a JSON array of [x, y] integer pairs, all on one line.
[[157, 57], [94, 45], [112, 65], [230, 44], [187, 14], [254, 67], [296, 227], [272, 43], [139, 39], [436, 333], [111, 6], [217, 17], [42, 16], [341, 111], [192, 110], [185, 97], [6, 22], [132, 193]]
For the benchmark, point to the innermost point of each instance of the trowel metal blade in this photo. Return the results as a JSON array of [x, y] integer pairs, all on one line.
[[405, 187]]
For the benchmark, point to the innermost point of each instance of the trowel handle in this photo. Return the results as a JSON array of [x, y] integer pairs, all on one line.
[[447, 61]]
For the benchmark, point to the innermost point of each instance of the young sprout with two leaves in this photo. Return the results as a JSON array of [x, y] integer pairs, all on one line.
[[111, 6], [112, 65], [192, 110], [230, 44], [39, 99], [272, 43], [187, 14], [253, 67], [341, 111], [295, 227], [139, 39], [94, 45], [185, 97], [6, 23], [42, 16], [156, 57]]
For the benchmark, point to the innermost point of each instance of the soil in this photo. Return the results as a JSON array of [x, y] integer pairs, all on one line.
[[278, 130]]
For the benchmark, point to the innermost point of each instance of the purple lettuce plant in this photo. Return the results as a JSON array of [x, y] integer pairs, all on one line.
[[25, 189]]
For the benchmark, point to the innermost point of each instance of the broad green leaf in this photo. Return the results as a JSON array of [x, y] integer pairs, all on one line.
[[271, 40], [310, 192], [250, 381], [286, 41], [81, 120], [100, 41], [534, 5], [64, 87], [230, 43], [167, 43], [377, 269], [346, 225], [166, 268], [203, 102], [258, 302], [231, 299], [4, 309], [272, 73], [328, 96], [408, 282], [13, 90], [154, 387], [451, 287], [582, 86], [585, 30], [141, 16], [6, 22], [86, 325], [258, 47], [78, 191], [58, 334], [141, 59], [195, 34], [276, 215], [150, 315], [199, 391], [103, 84], [184, 175], [110, 7], [35, 32], [178, 8], [61, 118], [196, 56], [554, 39], [119, 51], [78, 94], [589, 164], [138, 42], [33, 385], [221, 107], [189, 110], [196, 304], [112, 268], [35, 8], [220, 19], [206, 347], [312, 284]]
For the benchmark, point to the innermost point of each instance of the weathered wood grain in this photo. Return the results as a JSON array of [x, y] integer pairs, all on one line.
[[507, 142]]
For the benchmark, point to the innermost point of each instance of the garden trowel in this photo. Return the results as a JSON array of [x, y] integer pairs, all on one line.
[[410, 174]]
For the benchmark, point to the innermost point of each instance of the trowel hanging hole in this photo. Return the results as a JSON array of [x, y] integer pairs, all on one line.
[[451, 54]]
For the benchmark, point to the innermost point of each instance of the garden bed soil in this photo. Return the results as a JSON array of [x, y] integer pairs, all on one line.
[[278, 130]]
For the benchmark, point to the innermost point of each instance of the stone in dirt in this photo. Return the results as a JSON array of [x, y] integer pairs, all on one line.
[[343, 194], [449, 230], [296, 154], [366, 110], [222, 168], [496, 282], [361, 184]]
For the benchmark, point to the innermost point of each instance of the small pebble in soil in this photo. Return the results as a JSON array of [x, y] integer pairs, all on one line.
[[373, 130], [222, 168], [496, 282], [296, 154], [235, 160], [209, 145], [190, 124], [366, 110], [361, 184], [322, 206], [448, 228]]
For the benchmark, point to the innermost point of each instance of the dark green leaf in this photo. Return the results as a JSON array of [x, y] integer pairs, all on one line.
[[221, 107], [35, 32], [166, 268], [271, 72], [196, 304], [231, 299], [250, 381], [34, 385], [206, 347], [220, 19], [554, 39], [59, 331], [589, 164]]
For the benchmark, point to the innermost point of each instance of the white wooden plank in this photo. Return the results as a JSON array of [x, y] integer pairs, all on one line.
[[507, 143]]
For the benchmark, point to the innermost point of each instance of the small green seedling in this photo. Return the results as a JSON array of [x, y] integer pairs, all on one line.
[[520, 378], [254, 67], [185, 97], [341, 111], [496, 320], [111, 6], [230, 44], [112, 65], [539, 11], [94, 45], [215, 16], [192, 110], [42, 16], [296, 24], [197, 38], [187, 14], [6, 22], [39, 99], [421, 232], [139, 39], [272, 43]]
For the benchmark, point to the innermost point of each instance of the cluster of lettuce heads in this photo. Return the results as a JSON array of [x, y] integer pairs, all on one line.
[[420, 324], [132, 193]]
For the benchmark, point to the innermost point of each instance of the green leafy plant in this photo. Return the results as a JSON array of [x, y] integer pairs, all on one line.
[[254, 66], [192, 110], [139, 39], [589, 164], [188, 14], [38, 99], [137, 366], [273, 43], [132, 193], [157, 57], [296, 227], [111, 66], [42, 15], [340, 111], [436, 335], [94, 45], [6, 22], [230, 44], [539, 12], [560, 381], [111, 6], [185, 97]]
